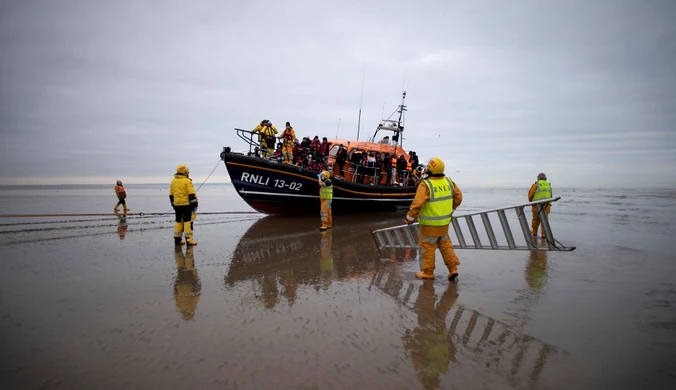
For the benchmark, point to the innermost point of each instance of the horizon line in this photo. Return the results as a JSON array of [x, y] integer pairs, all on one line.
[[230, 183]]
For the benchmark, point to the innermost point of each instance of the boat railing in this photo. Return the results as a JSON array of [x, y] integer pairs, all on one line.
[[248, 137]]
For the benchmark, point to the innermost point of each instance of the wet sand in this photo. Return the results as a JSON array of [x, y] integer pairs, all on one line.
[[273, 303]]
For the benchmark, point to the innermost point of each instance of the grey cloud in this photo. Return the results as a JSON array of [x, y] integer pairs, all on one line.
[[134, 88]]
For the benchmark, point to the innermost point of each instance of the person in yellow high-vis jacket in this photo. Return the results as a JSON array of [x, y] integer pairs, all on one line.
[[326, 197], [435, 200], [183, 199], [258, 130], [268, 134], [288, 138], [541, 189]]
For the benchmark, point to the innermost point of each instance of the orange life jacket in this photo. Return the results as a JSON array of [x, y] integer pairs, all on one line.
[[119, 190]]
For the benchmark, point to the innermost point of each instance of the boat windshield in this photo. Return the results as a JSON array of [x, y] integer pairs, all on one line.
[[333, 151]]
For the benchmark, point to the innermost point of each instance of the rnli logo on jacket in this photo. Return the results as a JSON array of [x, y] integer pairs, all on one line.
[[441, 188]]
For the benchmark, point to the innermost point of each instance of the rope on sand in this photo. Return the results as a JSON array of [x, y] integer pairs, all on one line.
[[123, 214], [115, 214], [33, 240]]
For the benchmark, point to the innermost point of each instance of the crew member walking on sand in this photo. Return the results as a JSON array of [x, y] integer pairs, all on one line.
[[183, 199], [433, 205], [326, 197], [121, 196], [541, 189]]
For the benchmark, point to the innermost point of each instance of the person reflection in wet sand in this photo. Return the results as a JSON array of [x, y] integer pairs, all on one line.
[[430, 344], [290, 285], [269, 290], [187, 285], [536, 270], [122, 225], [326, 258]]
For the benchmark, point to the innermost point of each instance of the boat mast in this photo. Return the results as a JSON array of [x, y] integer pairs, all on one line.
[[395, 126], [400, 126]]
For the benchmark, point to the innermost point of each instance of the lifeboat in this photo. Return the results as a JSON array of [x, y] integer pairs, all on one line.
[[270, 186]]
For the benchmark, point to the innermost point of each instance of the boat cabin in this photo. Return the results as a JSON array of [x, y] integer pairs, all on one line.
[[370, 173]]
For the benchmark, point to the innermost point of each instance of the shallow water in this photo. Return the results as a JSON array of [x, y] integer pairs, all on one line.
[[271, 302]]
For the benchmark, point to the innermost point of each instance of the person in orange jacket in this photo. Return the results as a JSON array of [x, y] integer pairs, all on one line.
[[435, 200], [288, 138], [121, 197]]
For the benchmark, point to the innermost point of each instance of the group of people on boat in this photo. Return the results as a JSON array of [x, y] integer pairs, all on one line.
[[310, 154], [368, 165]]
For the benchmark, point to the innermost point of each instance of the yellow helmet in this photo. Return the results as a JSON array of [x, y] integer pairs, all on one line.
[[182, 169], [325, 175], [435, 166]]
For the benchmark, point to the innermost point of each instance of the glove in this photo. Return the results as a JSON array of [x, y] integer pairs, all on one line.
[[409, 220], [194, 210], [319, 176], [172, 206]]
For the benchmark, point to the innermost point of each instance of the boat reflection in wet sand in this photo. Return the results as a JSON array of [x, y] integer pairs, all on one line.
[[444, 333], [273, 187], [277, 266]]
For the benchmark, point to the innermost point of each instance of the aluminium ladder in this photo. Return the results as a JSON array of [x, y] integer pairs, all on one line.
[[407, 236]]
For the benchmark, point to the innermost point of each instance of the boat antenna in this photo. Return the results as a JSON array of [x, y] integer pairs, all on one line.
[[361, 99], [338, 128], [402, 109]]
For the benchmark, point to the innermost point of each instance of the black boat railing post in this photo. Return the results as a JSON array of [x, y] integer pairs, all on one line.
[[242, 134]]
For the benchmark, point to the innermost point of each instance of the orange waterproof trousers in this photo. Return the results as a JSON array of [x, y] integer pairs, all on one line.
[[325, 212], [287, 153], [429, 245]]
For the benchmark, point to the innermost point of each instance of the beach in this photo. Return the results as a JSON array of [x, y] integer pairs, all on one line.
[[270, 302]]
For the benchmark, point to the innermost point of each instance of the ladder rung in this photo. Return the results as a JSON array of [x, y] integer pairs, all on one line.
[[400, 238], [458, 233], [489, 231], [473, 232], [505, 228], [524, 227]]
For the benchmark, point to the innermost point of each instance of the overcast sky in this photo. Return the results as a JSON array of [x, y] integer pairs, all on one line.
[[93, 91]]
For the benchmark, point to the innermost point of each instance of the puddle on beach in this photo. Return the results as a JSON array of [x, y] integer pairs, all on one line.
[[273, 303]]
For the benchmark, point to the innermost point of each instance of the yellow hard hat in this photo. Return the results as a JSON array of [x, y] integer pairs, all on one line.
[[325, 175], [435, 166], [182, 169]]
